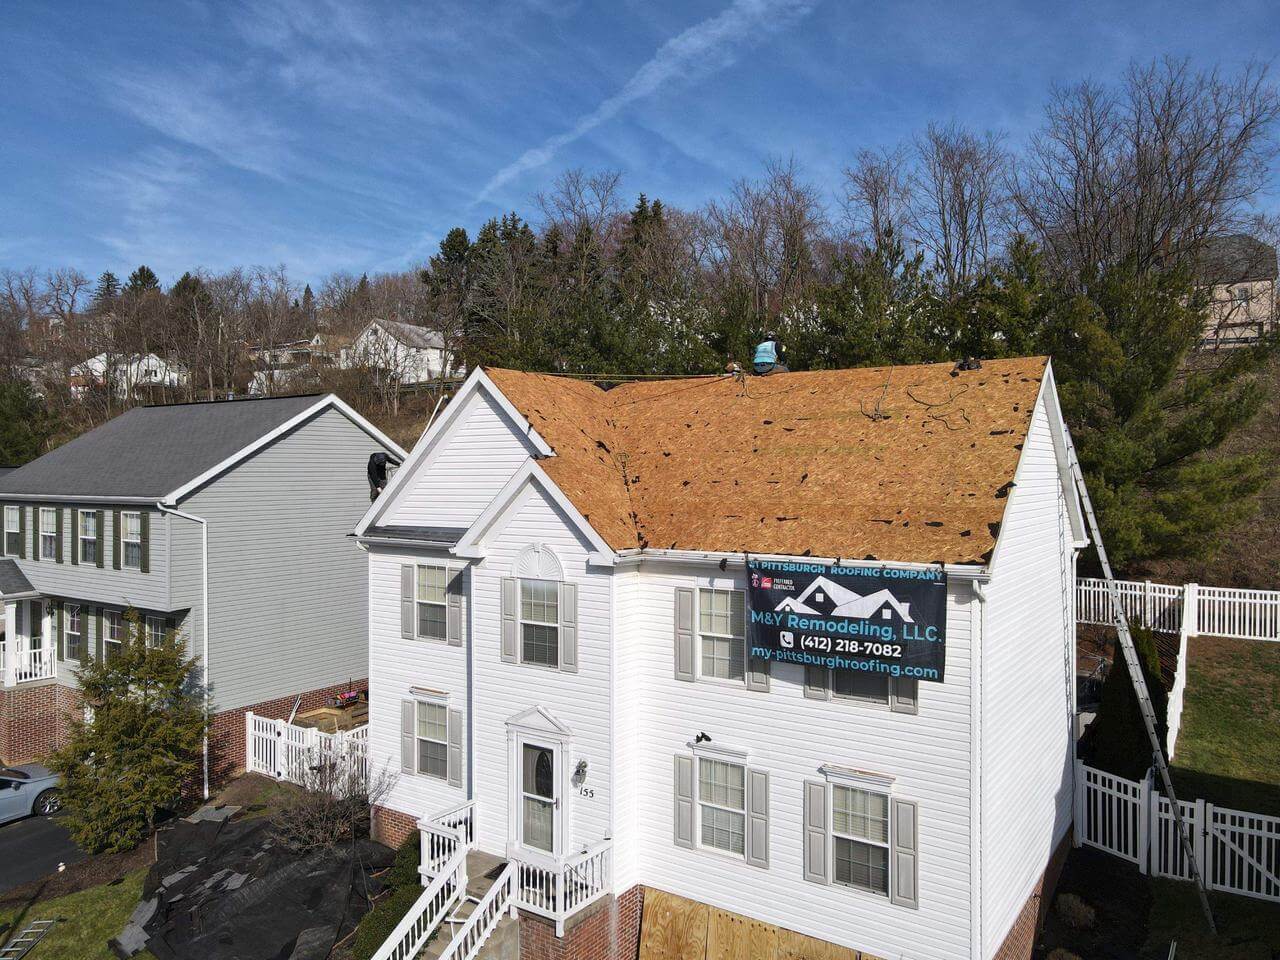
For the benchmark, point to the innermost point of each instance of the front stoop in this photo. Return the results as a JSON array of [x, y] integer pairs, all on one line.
[[504, 942]]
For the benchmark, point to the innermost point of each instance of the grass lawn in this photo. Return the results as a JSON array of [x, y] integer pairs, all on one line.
[[87, 920], [1228, 750], [1248, 929]]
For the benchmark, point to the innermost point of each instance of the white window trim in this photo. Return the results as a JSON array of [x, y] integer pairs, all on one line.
[[698, 635], [15, 512], [442, 604], [125, 541], [699, 803], [110, 618], [717, 751], [147, 628], [427, 695], [871, 782], [521, 621], [68, 633], [84, 540], [440, 703], [52, 511], [861, 779]]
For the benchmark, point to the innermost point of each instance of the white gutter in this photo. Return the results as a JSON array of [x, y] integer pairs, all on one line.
[[204, 603], [976, 671], [634, 554]]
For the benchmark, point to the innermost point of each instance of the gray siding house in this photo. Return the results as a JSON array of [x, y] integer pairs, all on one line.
[[226, 521]]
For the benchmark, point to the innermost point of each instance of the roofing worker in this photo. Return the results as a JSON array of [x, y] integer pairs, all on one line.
[[768, 358]]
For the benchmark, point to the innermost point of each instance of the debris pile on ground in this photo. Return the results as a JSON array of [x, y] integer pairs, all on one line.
[[226, 889]]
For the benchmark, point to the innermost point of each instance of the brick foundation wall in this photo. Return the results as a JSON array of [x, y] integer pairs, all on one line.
[[612, 933], [1019, 943], [391, 827], [226, 729], [35, 720]]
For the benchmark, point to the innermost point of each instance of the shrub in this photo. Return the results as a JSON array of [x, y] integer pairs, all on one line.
[[380, 922], [404, 871], [1120, 743]]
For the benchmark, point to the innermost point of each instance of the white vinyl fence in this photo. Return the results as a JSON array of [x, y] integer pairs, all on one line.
[[1238, 851], [1209, 611], [286, 751]]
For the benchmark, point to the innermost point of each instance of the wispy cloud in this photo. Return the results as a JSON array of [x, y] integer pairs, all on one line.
[[699, 51]]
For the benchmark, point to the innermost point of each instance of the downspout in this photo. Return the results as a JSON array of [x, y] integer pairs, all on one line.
[[975, 771], [204, 605]]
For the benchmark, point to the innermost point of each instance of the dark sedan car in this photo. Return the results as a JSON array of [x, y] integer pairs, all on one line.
[[28, 789]]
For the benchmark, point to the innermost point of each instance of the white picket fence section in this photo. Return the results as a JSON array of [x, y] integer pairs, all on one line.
[[286, 751], [1232, 612], [1238, 851]]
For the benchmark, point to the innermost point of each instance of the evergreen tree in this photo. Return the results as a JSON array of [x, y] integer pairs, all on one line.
[[107, 291], [25, 424], [307, 308], [1118, 738], [142, 280], [128, 763]]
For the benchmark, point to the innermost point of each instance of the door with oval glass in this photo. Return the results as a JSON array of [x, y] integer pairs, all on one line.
[[540, 815]]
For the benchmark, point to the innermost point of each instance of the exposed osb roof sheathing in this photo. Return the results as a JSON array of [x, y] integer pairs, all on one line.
[[908, 463]]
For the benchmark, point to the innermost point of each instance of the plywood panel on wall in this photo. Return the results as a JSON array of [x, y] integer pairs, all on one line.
[[673, 928]]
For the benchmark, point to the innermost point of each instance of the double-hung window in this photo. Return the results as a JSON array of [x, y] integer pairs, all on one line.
[[88, 545], [155, 631], [131, 541], [432, 734], [431, 612], [113, 629], [722, 633], [48, 533], [540, 622], [12, 530], [722, 802], [860, 836], [73, 633]]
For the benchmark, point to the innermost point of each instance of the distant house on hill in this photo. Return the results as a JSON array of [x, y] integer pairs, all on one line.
[[1240, 272], [406, 352], [127, 375]]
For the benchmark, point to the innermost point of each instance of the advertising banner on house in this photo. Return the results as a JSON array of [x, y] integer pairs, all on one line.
[[849, 617]]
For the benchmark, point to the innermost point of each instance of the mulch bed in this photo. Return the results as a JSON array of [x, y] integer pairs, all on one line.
[[1121, 900]]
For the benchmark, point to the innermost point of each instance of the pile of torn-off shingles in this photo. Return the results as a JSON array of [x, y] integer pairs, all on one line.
[[224, 889]]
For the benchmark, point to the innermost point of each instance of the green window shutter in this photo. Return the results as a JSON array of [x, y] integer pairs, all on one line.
[[98, 634], [58, 527], [35, 533], [22, 532], [115, 539], [101, 528], [144, 521], [60, 621], [91, 624], [75, 536]]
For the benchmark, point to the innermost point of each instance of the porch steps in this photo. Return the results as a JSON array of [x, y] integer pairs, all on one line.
[[504, 942]]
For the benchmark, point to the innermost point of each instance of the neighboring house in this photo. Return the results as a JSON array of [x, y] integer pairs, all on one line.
[[1240, 273], [558, 652], [127, 375], [404, 352], [293, 353], [116, 520]]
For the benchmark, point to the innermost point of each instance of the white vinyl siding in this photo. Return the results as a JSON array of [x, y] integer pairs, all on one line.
[[860, 839], [432, 736], [88, 545], [48, 533], [539, 623], [722, 802], [131, 541], [431, 603], [12, 530], [722, 634]]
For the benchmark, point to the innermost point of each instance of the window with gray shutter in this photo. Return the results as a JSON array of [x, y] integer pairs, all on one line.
[[817, 840], [683, 791], [510, 623], [115, 539], [757, 833], [75, 536], [408, 720], [455, 748], [568, 605], [757, 674], [906, 857], [101, 528], [684, 633], [904, 695], [406, 601], [455, 601], [817, 682]]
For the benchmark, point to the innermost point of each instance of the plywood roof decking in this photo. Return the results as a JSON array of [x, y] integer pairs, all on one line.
[[907, 463]]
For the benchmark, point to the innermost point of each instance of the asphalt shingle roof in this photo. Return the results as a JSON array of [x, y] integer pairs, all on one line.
[[148, 452], [13, 582], [412, 334], [1238, 257], [421, 534]]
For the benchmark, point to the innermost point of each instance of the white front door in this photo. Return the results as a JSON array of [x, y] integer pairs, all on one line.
[[538, 817]]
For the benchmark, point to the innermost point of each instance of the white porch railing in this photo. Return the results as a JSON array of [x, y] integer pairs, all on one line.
[[428, 911], [22, 666], [498, 900], [1238, 851], [1231, 612], [558, 890], [286, 751], [444, 834]]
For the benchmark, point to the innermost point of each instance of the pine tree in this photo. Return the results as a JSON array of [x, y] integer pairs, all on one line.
[[128, 763], [107, 291], [142, 280], [1118, 739], [307, 308], [25, 424]]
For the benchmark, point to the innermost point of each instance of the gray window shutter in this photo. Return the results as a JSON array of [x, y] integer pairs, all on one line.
[[59, 621], [144, 521], [904, 695], [102, 528], [406, 601], [510, 610], [905, 869], [115, 539], [455, 597], [455, 748], [75, 535], [684, 633], [817, 682], [757, 672], [817, 842], [684, 801], [569, 627], [757, 838], [408, 717]]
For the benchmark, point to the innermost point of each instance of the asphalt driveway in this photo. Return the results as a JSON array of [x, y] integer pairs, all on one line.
[[32, 848]]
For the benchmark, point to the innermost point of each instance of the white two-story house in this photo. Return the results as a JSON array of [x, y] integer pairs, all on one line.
[[561, 674]]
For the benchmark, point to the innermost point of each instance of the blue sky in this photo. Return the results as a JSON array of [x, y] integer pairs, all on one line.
[[341, 136]]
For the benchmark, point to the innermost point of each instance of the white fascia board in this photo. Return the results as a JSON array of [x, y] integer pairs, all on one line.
[[436, 431], [1061, 444], [471, 546], [958, 571], [324, 403]]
